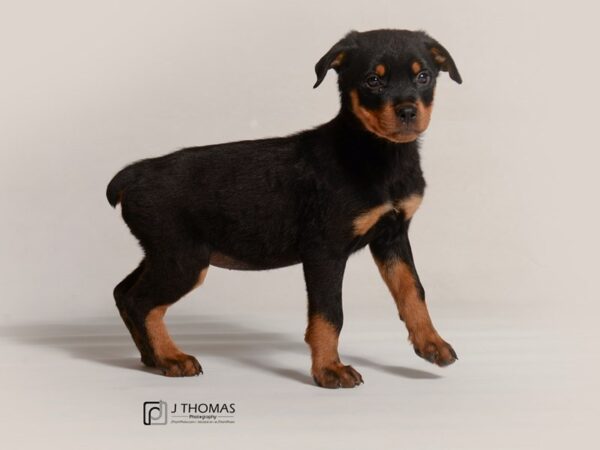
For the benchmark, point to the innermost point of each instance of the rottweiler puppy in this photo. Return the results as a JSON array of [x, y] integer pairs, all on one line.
[[312, 198]]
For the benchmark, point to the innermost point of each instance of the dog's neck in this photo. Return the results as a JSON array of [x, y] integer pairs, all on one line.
[[369, 155]]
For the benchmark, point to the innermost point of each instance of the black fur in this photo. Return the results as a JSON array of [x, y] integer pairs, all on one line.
[[275, 202]]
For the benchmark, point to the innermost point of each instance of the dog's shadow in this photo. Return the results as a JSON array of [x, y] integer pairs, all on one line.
[[106, 341]]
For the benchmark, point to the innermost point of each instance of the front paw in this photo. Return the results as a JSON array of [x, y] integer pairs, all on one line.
[[337, 375], [436, 351], [179, 365]]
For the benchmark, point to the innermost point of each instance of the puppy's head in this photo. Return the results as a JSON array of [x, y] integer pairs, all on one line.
[[387, 79]]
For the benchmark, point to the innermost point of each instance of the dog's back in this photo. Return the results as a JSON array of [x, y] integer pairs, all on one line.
[[243, 198]]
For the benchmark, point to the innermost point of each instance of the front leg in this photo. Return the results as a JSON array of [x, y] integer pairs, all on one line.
[[393, 255], [325, 319]]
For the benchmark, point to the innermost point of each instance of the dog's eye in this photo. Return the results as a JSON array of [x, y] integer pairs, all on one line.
[[373, 81], [423, 77]]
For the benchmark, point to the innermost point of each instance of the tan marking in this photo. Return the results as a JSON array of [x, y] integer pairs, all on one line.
[[385, 123], [423, 116], [322, 338], [337, 62], [412, 309], [365, 221], [162, 345], [382, 123], [416, 67], [409, 205], [201, 277], [380, 70]]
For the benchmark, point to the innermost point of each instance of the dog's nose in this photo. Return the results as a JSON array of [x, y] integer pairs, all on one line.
[[407, 114]]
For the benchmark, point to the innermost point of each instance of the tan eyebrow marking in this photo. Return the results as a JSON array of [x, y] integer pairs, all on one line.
[[416, 67], [380, 70]]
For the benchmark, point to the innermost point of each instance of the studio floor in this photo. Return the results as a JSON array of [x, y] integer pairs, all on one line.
[[519, 384]]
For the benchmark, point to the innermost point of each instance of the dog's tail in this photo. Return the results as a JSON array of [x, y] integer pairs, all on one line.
[[120, 181]]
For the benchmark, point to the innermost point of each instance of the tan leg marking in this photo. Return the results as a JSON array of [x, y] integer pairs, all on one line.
[[365, 221], [147, 358], [322, 339], [201, 277], [413, 311], [161, 341], [411, 308], [327, 369], [409, 205], [167, 355]]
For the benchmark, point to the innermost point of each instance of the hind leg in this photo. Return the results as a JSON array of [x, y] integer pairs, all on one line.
[[120, 298], [160, 281]]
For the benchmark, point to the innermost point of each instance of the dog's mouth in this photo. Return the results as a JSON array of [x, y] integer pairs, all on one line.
[[394, 129], [391, 122], [405, 132], [403, 136]]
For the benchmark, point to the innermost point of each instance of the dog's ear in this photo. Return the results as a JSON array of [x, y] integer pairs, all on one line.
[[335, 57], [442, 58]]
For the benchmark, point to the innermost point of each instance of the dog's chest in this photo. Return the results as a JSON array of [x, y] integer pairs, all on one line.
[[366, 219]]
